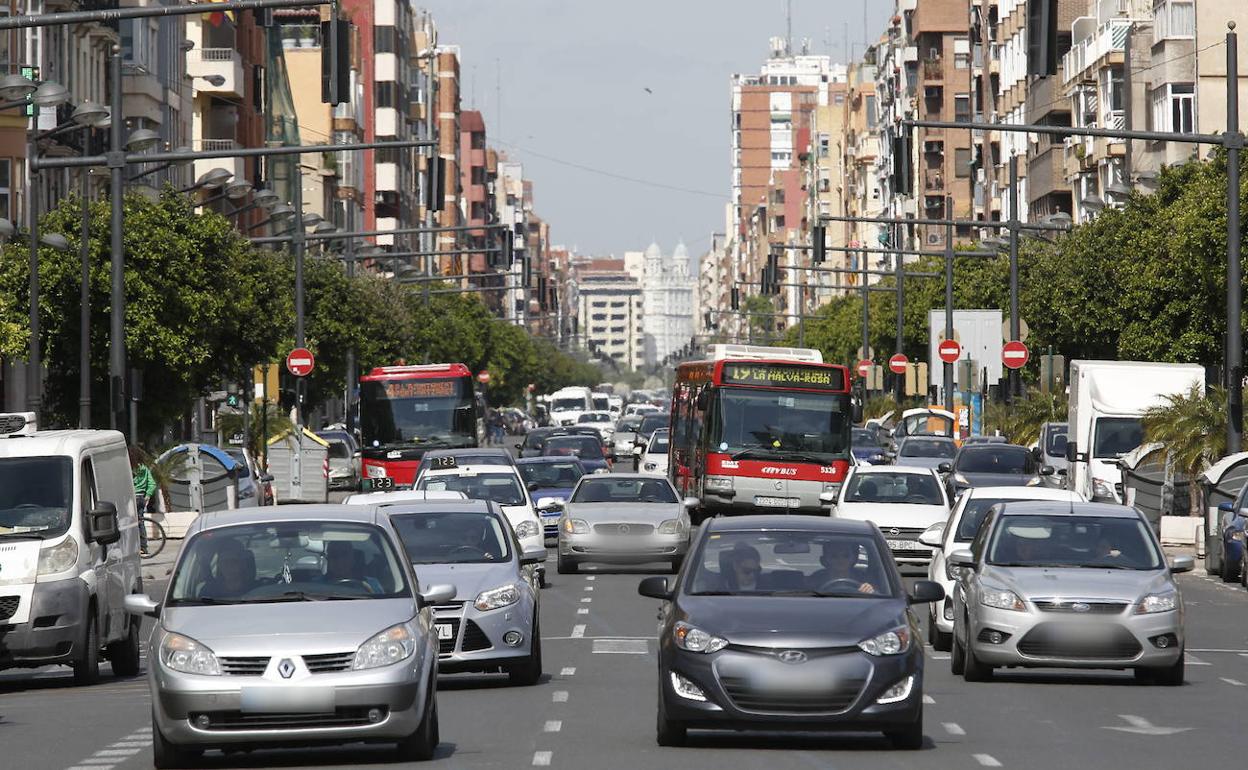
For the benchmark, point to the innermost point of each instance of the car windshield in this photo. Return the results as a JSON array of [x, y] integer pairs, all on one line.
[[567, 405], [927, 425], [594, 417], [502, 488], [1064, 540], [973, 515], [586, 447], [914, 488], [864, 439], [928, 448], [1055, 441], [241, 458], [628, 425], [1116, 436], [338, 450], [658, 443], [604, 489], [652, 422], [286, 562], [35, 496], [995, 459], [452, 537], [790, 563], [552, 475]]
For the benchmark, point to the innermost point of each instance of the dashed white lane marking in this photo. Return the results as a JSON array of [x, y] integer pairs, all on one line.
[[578, 631], [90, 767], [591, 578], [589, 588], [1232, 682], [583, 611], [1239, 652], [560, 696], [586, 599], [116, 752], [987, 760], [553, 726], [136, 744], [98, 761], [953, 728], [929, 700], [1192, 660], [542, 758], [568, 671], [940, 657], [621, 646]]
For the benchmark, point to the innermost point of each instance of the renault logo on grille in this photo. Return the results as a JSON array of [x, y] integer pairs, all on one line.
[[1080, 607], [286, 668], [792, 657], [625, 529]]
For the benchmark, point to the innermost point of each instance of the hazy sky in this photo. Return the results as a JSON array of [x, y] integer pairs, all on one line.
[[576, 112]]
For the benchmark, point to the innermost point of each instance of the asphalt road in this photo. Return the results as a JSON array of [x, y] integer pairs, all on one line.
[[595, 707]]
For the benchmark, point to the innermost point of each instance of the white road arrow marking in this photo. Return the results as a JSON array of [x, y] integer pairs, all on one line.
[[1141, 726]]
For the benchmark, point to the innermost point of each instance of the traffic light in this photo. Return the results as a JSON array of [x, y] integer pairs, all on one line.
[[819, 234], [903, 151], [336, 85], [435, 189], [771, 274], [734, 298], [1042, 37]]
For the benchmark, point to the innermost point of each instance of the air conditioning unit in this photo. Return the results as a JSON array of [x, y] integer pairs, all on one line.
[[933, 239]]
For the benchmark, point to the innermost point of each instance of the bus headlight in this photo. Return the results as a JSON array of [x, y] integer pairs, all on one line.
[[375, 471], [718, 483]]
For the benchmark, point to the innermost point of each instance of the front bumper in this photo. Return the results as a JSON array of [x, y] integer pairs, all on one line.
[[751, 495], [736, 700], [622, 548], [54, 628], [476, 642], [1060, 640]]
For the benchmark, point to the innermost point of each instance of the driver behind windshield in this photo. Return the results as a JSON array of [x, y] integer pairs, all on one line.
[[340, 566], [839, 560], [234, 573]]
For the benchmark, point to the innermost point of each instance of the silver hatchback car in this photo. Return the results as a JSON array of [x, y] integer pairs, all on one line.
[[285, 626], [1068, 585]]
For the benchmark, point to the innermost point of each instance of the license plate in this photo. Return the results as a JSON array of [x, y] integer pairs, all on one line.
[[777, 502], [293, 699], [445, 631], [906, 545]]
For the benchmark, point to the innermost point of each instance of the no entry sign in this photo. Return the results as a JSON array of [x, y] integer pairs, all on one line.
[[864, 368], [1014, 355], [949, 351], [300, 362], [897, 364]]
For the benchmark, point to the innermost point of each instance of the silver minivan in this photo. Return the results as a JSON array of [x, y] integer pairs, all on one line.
[[69, 549], [292, 625]]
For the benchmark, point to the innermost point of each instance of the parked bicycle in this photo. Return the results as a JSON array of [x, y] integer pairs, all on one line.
[[152, 540]]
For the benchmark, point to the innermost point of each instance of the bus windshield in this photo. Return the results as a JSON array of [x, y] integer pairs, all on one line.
[[410, 411], [764, 424]]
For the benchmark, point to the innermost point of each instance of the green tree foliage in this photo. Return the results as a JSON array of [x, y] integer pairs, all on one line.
[[1191, 427], [1020, 423]]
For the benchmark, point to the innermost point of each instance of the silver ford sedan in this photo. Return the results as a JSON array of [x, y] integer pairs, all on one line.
[[1070, 585], [285, 626], [623, 518]]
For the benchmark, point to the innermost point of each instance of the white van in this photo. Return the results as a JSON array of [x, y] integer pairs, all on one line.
[[69, 549], [568, 404]]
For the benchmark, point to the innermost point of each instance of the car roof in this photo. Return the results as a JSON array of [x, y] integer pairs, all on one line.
[[547, 460], [402, 495], [361, 514], [474, 468], [439, 506], [1027, 493], [925, 437], [869, 469], [787, 523], [623, 477], [1071, 509], [484, 451], [991, 446]]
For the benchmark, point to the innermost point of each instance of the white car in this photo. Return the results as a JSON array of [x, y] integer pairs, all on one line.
[[901, 501], [400, 496], [958, 532], [500, 483], [632, 409], [602, 422], [654, 460]]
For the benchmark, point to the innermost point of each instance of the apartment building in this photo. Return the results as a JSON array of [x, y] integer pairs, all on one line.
[[448, 134], [478, 172], [610, 308], [863, 196], [156, 87]]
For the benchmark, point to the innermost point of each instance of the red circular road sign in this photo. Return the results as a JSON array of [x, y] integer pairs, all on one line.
[[897, 364], [949, 351], [300, 362], [1014, 355], [864, 368], [483, 377]]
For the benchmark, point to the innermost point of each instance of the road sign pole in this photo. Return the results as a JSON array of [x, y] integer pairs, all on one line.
[[866, 312], [901, 307], [1014, 388], [1234, 288], [948, 365]]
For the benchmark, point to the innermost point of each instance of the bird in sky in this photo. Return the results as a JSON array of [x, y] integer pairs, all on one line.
[[649, 91]]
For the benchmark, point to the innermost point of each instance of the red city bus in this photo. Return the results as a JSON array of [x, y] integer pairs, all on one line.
[[761, 434], [407, 410]]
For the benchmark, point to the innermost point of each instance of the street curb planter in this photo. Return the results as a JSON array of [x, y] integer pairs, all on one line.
[[299, 464]]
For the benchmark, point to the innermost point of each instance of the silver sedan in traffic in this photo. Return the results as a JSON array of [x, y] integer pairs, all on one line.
[[623, 518]]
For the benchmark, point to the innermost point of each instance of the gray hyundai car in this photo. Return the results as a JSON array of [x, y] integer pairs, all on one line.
[[289, 626], [1069, 585], [491, 624], [623, 518]]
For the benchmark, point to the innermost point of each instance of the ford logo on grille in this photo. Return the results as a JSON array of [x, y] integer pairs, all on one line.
[[1080, 607], [792, 657], [286, 668], [625, 529]]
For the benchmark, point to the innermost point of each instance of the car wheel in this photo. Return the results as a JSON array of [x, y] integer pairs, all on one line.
[[940, 640], [1171, 676], [957, 655], [1231, 570], [124, 655], [87, 666], [169, 755], [566, 566], [420, 745], [1243, 577], [669, 732], [529, 672], [541, 578], [910, 737], [973, 669]]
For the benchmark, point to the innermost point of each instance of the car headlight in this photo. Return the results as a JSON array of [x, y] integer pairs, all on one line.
[[1035, 481], [528, 529], [503, 596], [59, 557], [671, 527], [695, 639], [340, 473], [395, 644], [892, 642], [575, 527], [832, 486], [1102, 488], [1163, 602], [897, 692], [375, 471], [718, 483], [184, 654], [958, 478], [1002, 599], [952, 572]]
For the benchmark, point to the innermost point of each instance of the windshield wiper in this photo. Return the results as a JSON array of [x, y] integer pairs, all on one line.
[[755, 453], [297, 596], [202, 601], [713, 593], [36, 535]]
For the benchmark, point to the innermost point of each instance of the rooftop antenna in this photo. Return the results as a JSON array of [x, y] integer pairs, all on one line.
[[788, 27]]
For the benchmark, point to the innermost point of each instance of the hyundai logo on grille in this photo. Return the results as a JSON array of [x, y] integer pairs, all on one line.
[[286, 668], [792, 657], [624, 529], [1080, 607]]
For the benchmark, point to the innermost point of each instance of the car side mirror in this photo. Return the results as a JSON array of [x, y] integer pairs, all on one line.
[[925, 591], [1182, 564], [1036, 453], [102, 525], [267, 478], [637, 449], [1227, 507], [962, 558], [827, 498], [655, 587], [533, 555], [1046, 470], [1072, 452], [438, 593], [933, 535], [691, 502], [531, 486], [1062, 471], [141, 604], [945, 467]]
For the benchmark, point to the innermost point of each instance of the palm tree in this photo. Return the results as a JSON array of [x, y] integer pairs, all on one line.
[[272, 414], [1191, 428], [1020, 423]]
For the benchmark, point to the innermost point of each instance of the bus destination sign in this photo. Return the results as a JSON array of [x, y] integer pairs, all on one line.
[[421, 388], [791, 375]]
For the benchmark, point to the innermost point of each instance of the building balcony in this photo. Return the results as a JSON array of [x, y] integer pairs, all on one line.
[[1046, 173], [236, 166], [226, 63], [1079, 154], [933, 69], [1110, 38]]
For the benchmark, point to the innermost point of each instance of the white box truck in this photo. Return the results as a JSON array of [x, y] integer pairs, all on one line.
[[1107, 400]]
